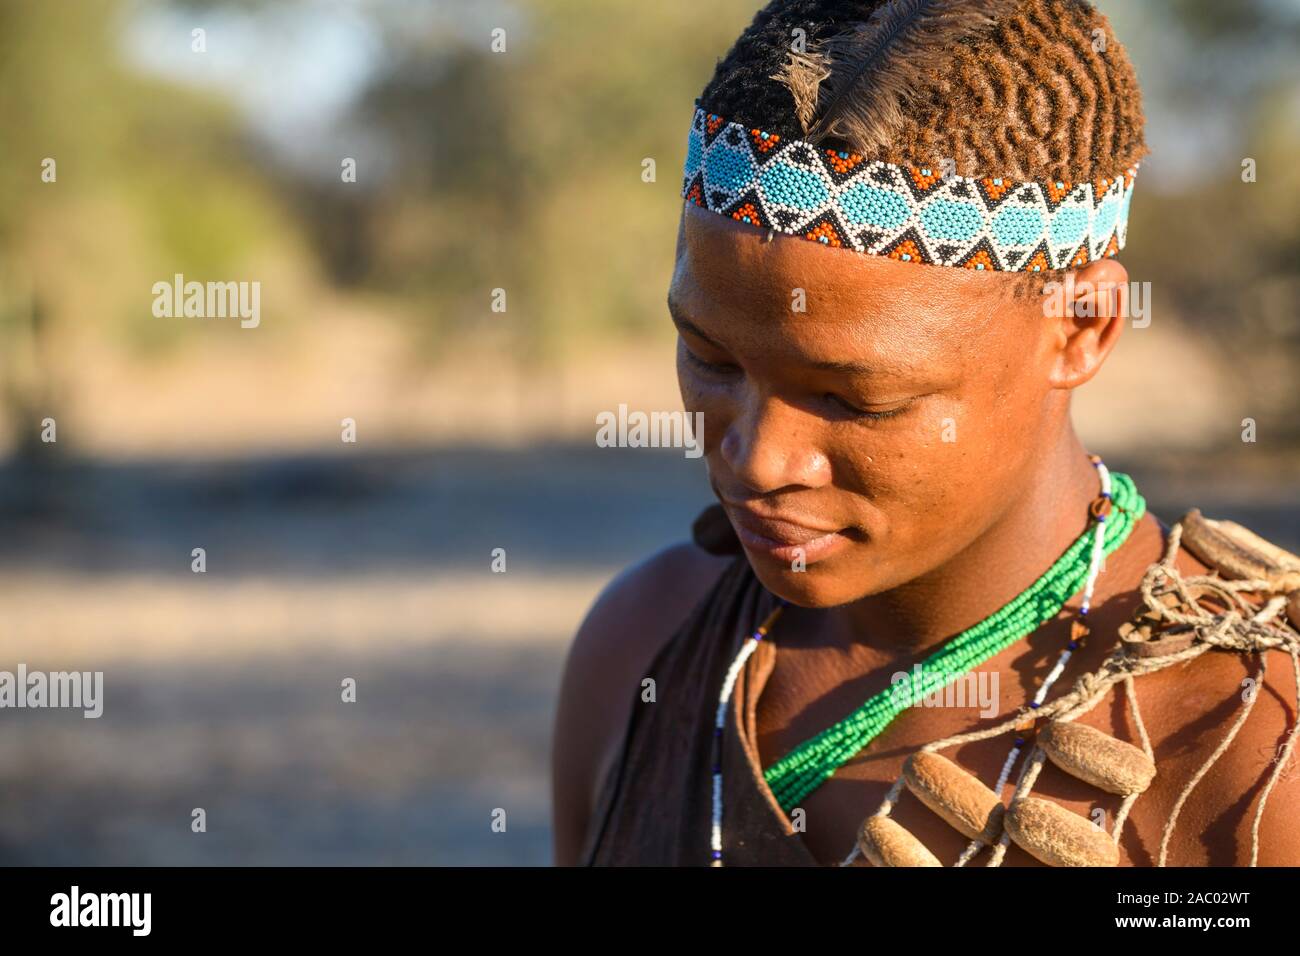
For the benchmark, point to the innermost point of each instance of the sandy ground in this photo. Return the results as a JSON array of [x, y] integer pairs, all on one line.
[[222, 689], [328, 561]]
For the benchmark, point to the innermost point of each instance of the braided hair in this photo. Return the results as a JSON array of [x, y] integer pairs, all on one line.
[[1026, 89]]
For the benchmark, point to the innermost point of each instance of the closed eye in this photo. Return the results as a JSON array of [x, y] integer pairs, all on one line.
[[864, 413], [708, 368]]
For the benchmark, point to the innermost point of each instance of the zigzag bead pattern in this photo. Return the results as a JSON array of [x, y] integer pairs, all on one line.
[[908, 213]]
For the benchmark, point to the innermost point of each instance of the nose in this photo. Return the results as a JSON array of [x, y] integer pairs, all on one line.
[[771, 446]]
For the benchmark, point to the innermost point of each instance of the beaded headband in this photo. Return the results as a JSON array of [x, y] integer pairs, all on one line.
[[908, 213]]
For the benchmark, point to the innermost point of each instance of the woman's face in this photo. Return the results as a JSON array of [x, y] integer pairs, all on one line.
[[865, 420]]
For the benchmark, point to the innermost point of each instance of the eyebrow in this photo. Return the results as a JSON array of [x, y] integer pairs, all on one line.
[[686, 325]]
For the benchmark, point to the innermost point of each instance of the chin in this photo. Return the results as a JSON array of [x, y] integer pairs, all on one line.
[[821, 585]]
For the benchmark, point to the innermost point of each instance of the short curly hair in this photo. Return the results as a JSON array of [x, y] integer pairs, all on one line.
[[1047, 92], [1035, 90]]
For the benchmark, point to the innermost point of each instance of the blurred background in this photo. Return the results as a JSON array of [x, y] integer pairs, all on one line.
[[475, 170]]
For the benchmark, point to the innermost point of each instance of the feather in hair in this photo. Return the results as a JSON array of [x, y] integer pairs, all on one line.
[[887, 57], [803, 74]]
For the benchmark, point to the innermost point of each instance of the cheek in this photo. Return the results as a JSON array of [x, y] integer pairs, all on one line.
[[933, 475], [715, 402], [960, 465]]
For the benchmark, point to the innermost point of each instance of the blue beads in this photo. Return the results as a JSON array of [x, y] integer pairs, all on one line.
[[1018, 226], [872, 206], [1069, 226], [765, 179], [789, 185], [727, 168], [945, 219], [694, 152]]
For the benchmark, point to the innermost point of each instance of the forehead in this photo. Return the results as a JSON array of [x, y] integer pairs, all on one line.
[[728, 274]]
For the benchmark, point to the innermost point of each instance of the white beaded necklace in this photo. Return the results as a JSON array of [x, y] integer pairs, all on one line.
[[1095, 567]]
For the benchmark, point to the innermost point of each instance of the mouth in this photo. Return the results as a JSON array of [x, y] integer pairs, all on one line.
[[784, 538]]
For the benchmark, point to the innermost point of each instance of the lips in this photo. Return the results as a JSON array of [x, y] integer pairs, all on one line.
[[780, 530], [783, 538]]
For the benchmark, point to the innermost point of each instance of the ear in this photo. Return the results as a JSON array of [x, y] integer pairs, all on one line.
[[1088, 306]]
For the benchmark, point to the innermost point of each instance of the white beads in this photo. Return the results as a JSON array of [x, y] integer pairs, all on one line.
[[1094, 570], [720, 722], [1095, 567]]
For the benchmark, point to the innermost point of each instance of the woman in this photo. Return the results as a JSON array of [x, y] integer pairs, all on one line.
[[903, 500]]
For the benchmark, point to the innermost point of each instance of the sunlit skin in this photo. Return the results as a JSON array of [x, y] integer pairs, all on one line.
[[911, 433], [898, 462], [908, 435]]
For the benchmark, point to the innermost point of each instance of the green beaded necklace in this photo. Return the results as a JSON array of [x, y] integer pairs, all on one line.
[[811, 763]]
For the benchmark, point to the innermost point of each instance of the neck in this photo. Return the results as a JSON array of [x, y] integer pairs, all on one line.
[[1003, 561]]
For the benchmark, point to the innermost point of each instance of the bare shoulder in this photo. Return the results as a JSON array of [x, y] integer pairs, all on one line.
[[628, 624], [1235, 787], [1196, 704]]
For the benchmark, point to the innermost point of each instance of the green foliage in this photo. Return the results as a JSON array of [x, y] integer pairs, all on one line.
[[152, 179], [525, 167], [522, 170]]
